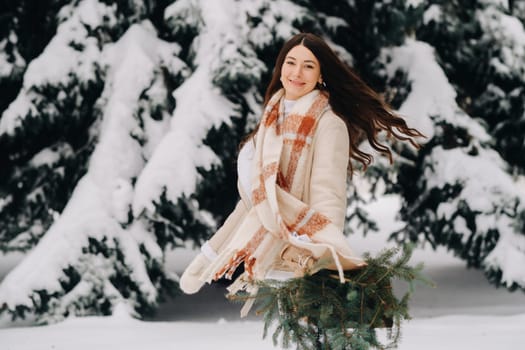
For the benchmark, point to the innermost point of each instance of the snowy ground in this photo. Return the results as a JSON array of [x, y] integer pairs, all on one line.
[[462, 312]]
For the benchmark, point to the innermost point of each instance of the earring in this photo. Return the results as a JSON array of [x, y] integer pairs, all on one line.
[[321, 83]]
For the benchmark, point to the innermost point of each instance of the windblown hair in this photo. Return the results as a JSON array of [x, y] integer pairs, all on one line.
[[364, 112]]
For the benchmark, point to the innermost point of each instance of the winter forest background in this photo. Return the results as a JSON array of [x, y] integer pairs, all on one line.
[[120, 123]]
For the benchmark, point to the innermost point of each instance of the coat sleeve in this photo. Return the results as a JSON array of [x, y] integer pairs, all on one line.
[[329, 169]]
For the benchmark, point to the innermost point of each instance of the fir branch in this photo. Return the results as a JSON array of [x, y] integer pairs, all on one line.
[[318, 312]]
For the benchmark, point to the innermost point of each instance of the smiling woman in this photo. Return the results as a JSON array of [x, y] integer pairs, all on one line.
[[293, 172]]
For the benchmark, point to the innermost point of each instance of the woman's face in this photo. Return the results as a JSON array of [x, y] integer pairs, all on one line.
[[300, 72]]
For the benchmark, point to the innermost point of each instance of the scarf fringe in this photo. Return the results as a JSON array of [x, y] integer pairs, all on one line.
[[244, 284]]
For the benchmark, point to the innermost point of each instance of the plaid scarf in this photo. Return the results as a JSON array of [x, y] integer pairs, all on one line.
[[277, 214]]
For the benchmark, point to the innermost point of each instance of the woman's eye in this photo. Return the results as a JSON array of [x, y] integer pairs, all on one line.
[[290, 63], [309, 66]]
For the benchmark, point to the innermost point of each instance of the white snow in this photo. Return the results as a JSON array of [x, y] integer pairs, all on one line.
[[50, 156], [7, 68], [433, 13], [448, 332], [509, 34], [334, 23], [413, 3], [431, 94], [276, 18], [499, 3], [490, 192], [483, 177], [463, 312], [192, 117], [57, 61], [509, 256]]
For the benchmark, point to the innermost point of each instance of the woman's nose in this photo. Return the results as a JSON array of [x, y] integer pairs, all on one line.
[[297, 70]]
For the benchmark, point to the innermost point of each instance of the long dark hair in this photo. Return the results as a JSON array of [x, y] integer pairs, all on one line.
[[364, 112]]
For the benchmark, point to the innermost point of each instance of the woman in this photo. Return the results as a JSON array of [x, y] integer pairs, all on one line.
[[293, 171]]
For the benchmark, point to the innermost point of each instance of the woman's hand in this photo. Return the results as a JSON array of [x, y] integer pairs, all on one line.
[[299, 260]]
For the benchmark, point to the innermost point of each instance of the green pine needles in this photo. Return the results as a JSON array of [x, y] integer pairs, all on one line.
[[319, 312]]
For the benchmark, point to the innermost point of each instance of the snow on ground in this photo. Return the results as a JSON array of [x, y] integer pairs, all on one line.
[[450, 332], [462, 312]]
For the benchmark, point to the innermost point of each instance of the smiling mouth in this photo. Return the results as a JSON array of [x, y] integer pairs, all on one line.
[[296, 83]]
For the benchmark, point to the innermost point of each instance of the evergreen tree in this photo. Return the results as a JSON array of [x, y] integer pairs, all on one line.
[[483, 53], [26, 28], [466, 196], [89, 114]]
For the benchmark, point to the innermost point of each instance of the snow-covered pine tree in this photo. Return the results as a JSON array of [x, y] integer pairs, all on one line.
[[28, 27], [482, 48], [469, 195], [25, 28], [517, 9], [91, 110]]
